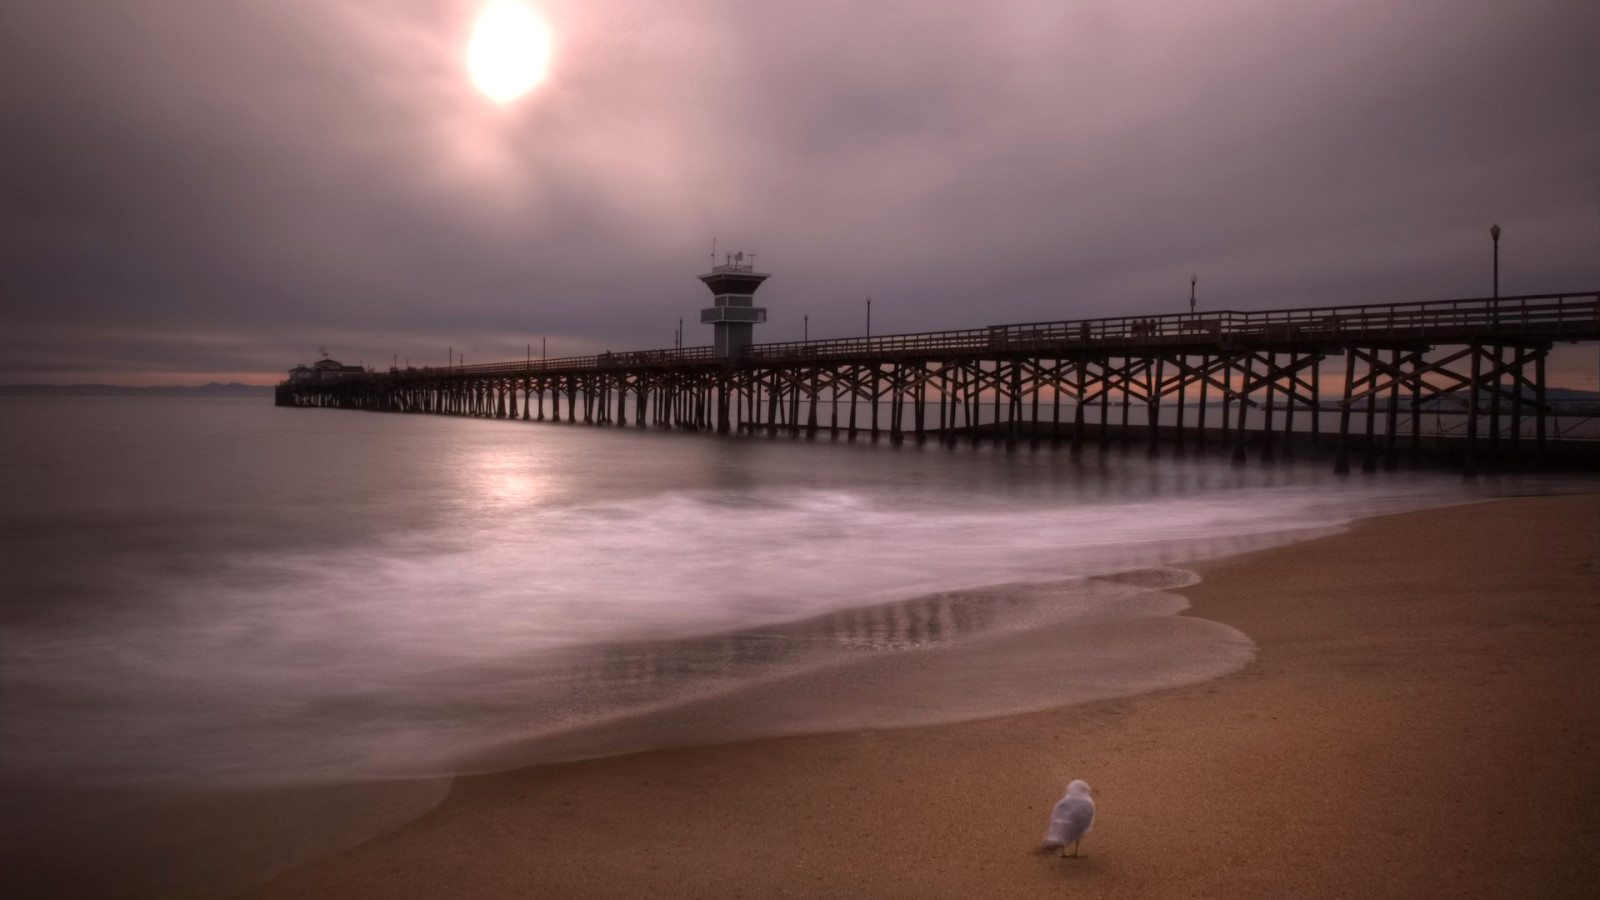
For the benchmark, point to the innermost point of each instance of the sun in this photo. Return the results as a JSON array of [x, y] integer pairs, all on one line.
[[509, 51]]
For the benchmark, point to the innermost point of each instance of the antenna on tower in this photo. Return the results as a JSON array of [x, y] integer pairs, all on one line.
[[713, 253]]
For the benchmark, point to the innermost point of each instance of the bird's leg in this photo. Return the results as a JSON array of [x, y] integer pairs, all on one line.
[[1074, 849]]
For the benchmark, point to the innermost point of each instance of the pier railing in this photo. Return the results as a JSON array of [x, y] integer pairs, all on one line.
[[1552, 315], [675, 356]]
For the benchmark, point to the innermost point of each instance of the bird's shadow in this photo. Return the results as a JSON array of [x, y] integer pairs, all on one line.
[[1083, 863]]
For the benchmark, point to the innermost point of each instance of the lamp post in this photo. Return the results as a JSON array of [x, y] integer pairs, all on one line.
[[1193, 279], [869, 315], [806, 324], [1494, 232]]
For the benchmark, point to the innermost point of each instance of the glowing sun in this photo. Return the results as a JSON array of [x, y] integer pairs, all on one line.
[[509, 51]]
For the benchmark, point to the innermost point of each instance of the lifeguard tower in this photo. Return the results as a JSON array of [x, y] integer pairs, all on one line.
[[733, 312]]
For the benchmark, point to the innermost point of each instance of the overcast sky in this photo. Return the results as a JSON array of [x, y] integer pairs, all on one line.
[[194, 190]]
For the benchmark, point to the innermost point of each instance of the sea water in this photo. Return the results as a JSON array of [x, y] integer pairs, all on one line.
[[220, 595]]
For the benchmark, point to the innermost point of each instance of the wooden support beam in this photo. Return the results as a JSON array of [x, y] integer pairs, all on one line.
[[1180, 448], [1494, 405], [1013, 404], [944, 397], [1105, 404], [1341, 463], [1471, 468], [1416, 407], [919, 396], [1391, 417], [1244, 405], [1517, 381], [1316, 402], [1290, 395], [1127, 401], [794, 402], [1540, 409], [854, 390], [877, 381], [811, 405], [1153, 408], [1077, 405], [1369, 456], [1055, 405], [1271, 380], [774, 397], [833, 404]]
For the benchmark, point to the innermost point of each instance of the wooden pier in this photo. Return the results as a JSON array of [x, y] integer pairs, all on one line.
[[1236, 382]]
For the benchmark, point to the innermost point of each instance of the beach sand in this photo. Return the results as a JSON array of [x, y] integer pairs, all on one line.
[[1423, 721]]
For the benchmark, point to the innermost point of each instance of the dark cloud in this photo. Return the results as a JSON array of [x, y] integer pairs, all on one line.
[[200, 187]]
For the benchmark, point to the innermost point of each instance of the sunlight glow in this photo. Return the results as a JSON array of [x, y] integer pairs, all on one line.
[[509, 51]]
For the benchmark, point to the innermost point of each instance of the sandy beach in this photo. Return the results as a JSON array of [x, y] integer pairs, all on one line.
[[1423, 720]]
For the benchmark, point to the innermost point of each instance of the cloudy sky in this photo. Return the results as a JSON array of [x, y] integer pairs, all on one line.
[[194, 190]]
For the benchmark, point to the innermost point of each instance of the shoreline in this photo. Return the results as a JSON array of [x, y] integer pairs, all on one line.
[[1423, 727]]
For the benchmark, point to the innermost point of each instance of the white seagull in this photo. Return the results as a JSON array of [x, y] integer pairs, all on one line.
[[1071, 819]]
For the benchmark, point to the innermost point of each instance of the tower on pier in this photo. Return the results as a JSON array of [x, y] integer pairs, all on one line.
[[733, 312]]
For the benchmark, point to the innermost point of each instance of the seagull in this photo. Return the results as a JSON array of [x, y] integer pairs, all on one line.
[[1071, 819]]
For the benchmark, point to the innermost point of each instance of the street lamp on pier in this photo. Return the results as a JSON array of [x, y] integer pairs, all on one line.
[[869, 315], [1193, 279]]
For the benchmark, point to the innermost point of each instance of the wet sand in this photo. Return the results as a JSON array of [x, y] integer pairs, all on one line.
[[1423, 720]]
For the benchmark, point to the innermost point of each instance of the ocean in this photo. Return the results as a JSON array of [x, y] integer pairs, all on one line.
[[212, 601]]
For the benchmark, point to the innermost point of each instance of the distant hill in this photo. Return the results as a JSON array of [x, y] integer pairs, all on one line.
[[214, 389], [1569, 401]]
